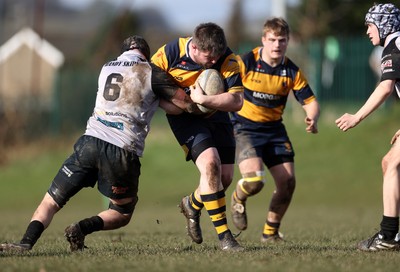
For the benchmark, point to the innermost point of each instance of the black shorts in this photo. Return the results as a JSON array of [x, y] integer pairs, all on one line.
[[115, 169], [197, 134], [268, 141]]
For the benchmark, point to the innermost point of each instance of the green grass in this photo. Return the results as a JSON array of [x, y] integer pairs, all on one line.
[[337, 203]]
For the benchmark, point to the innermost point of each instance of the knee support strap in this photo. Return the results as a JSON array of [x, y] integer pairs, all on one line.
[[127, 208], [252, 183], [62, 192]]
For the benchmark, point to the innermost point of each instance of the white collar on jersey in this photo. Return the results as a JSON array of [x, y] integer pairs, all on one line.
[[391, 37], [132, 52], [187, 47]]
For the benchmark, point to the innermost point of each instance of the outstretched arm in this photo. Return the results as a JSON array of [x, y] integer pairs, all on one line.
[[381, 92]]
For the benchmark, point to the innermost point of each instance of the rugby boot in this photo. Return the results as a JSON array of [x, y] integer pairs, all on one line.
[[75, 237], [378, 243], [229, 243], [272, 239], [192, 220], [238, 211], [15, 247]]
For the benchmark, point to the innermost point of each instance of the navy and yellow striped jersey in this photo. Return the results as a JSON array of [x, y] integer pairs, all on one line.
[[266, 88], [174, 59]]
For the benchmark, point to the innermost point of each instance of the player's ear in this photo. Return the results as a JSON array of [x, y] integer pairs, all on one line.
[[263, 39], [193, 45]]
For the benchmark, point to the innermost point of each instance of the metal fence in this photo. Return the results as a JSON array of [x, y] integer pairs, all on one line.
[[341, 71]]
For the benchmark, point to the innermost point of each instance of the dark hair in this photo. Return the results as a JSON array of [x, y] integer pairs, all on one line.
[[210, 37], [136, 42]]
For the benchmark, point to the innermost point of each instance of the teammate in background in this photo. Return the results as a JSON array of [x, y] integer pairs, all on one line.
[[109, 150], [206, 140], [383, 29], [268, 77]]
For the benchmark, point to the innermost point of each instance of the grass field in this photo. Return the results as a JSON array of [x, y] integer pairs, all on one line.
[[337, 203]]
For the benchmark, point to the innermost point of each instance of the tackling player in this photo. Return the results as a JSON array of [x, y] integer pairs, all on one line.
[[383, 29], [268, 77], [206, 140], [108, 152]]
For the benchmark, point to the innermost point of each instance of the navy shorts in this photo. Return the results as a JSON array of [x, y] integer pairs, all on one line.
[[115, 169], [268, 141], [197, 134]]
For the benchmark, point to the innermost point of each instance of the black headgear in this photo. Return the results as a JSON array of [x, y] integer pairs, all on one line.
[[136, 42]]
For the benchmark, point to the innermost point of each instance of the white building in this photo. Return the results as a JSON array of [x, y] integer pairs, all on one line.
[[28, 71]]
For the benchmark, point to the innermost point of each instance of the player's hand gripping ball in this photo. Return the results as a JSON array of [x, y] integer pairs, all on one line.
[[211, 82]]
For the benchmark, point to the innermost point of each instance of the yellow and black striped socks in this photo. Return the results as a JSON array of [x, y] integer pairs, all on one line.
[[270, 229], [236, 198], [195, 203], [215, 205]]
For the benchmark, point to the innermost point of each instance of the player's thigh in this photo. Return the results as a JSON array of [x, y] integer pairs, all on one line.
[[393, 155], [214, 135], [79, 170], [249, 149], [208, 161], [252, 164], [227, 172], [250, 142], [119, 173], [193, 137], [282, 172], [278, 149]]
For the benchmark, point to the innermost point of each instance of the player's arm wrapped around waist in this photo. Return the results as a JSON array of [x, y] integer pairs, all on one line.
[[165, 88]]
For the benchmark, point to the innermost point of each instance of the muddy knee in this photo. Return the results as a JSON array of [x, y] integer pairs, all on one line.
[[252, 183]]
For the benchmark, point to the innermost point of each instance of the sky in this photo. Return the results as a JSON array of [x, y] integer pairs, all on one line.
[[186, 14]]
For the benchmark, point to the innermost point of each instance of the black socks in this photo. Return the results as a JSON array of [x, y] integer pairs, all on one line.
[[33, 232], [92, 224], [389, 227]]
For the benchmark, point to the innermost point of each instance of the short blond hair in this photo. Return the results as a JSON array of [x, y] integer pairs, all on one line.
[[276, 25]]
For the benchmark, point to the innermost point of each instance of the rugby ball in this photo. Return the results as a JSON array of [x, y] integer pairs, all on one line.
[[211, 82]]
